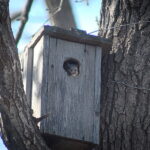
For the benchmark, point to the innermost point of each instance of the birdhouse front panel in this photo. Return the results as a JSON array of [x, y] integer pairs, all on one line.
[[66, 83], [73, 91]]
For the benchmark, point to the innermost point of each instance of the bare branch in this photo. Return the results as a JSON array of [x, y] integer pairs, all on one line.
[[24, 19], [15, 15], [79, 1], [56, 10]]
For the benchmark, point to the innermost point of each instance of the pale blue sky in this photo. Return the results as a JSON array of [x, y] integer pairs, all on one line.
[[2, 146], [85, 16]]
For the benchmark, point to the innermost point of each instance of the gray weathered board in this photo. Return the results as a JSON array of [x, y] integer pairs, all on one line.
[[73, 102]]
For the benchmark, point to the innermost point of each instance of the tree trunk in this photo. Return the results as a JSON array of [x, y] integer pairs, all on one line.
[[19, 131], [64, 18], [125, 104]]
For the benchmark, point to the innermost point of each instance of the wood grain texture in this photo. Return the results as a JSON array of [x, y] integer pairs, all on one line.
[[74, 36], [37, 78], [26, 60], [23, 60], [29, 74], [96, 128], [73, 102], [44, 88]]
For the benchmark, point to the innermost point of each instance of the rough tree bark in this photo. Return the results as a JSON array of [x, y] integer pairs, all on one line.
[[19, 131], [125, 105]]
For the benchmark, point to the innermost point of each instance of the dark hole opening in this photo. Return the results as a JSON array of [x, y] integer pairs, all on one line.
[[71, 66]]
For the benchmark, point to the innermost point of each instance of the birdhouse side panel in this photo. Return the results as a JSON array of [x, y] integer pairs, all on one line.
[[24, 67], [26, 59], [37, 77], [29, 75]]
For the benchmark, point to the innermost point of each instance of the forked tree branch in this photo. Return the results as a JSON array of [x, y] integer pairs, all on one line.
[[15, 15], [56, 10], [24, 19]]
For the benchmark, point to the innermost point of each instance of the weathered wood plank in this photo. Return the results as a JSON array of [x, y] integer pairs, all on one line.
[[45, 77], [68, 35], [26, 60], [24, 66], [96, 127], [37, 78], [29, 72], [72, 101]]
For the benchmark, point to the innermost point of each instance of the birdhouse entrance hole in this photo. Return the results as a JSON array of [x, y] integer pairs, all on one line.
[[72, 67]]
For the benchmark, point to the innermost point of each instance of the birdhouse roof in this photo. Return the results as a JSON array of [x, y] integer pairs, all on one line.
[[73, 35]]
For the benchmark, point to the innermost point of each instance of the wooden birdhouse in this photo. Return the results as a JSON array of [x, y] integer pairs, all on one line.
[[62, 77]]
